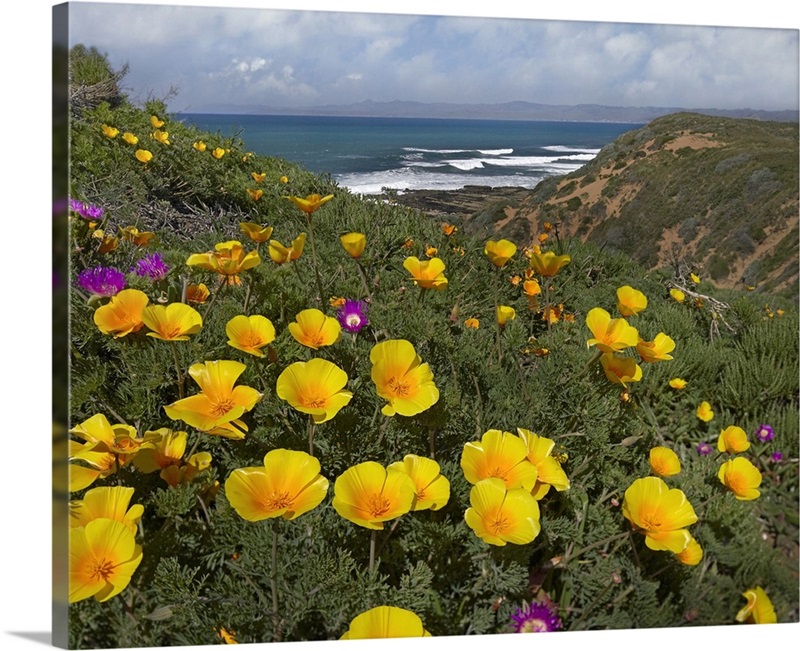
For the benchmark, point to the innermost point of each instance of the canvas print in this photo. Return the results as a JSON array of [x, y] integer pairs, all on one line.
[[373, 325]]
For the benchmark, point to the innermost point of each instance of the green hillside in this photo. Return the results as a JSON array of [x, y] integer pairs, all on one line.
[[719, 194], [544, 419]]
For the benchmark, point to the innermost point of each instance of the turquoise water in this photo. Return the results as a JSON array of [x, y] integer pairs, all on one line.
[[367, 154]]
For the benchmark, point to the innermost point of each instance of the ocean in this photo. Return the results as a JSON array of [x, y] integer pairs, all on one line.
[[366, 155]]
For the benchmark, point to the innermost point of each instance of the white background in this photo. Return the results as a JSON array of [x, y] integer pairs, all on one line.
[[25, 292]]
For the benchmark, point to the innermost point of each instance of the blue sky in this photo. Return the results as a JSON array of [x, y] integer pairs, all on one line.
[[274, 57]]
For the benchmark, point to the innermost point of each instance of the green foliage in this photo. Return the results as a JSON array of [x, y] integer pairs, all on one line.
[[204, 568]]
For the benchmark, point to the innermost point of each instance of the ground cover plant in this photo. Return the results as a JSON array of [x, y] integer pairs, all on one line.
[[298, 414]]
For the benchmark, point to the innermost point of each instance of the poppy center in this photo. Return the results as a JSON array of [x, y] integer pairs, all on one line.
[[278, 500], [499, 524], [102, 569], [314, 401], [399, 387], [736, 482], [172, 332], [652, 522], [223, 407], [252, 340], [378, 505]]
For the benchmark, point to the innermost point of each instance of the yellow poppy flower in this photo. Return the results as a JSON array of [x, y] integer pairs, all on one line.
[[111, 132], [143, 155], [155, 122], [664, 462], [288, 485], [657, 350], [354, 244], [106, 502], [104, 451], [678, 383], [531, 288], [498, 515], [677, 294], [449, 229], [547, 227], [176, 474], [103, 556], [732, 440], [505, 314], [693, 553], [256, 232], [130, 138], [315, 387], [500, 252], [197, 293], [281, 254], [314, 329], [250, 333], [108, 242], [619, 369], [741, 477], [218, 407], [218, 152], [427, 274], [336, 301], [759, 608], [258, 178], [704, 412], [407, 243], [228, 259], [695, 278], [472, 323], [199, 145], [284, 179], [255, 195], [173, 322], [609, 335], [502, 455], [630, 301], [431, 251], [229, 637], [311, 203], [136, 237], [432, 489], [161, 448], [542, 237], [160, 136], [401, 378], [368, 494], [122, 314], [549, 470], [660, 513], [547, 264], [385, 622]]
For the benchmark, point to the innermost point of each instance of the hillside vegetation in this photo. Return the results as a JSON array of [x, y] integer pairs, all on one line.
[[542, 505], [720, 194]]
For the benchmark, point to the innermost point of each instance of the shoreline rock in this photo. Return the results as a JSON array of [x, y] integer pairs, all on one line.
[[469, 200]]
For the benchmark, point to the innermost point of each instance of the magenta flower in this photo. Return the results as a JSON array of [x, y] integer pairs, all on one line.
[[704, 449], [776, 457], [535, 618], [765, 433], [151, 266], [86, 210], [352, 316], [101, 281]]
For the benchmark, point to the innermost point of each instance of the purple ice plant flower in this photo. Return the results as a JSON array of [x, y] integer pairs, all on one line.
[[535, 618], [776, 457], [151, 266], [101, 281], [765, 433], [704, 449], [86, 210], [352, 316]]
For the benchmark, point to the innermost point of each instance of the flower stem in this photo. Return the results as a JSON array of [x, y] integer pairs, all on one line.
[[314, 257], [497, 328], [372, 540], [178, 368], [312, 428], [363, 277], [276, 618], [214, 298], [247, 295]]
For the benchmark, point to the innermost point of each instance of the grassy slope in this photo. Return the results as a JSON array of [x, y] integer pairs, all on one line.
[[720, 194], [432, 564]]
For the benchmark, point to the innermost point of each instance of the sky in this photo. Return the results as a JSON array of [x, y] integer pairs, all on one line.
[[25, 58], [287, 58]]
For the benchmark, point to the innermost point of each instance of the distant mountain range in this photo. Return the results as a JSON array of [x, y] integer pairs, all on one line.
[[502, 111]]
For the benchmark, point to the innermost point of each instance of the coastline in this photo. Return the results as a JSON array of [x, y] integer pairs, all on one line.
[[466, 201]]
